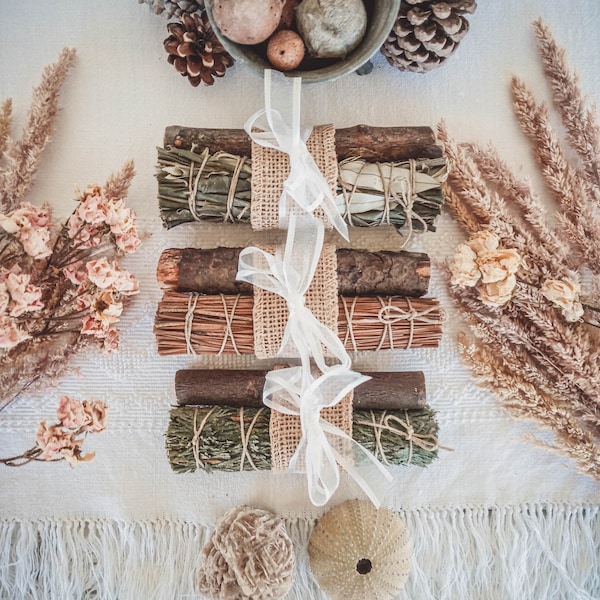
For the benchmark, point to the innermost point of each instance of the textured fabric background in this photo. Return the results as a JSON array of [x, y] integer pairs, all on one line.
[[115, 105]]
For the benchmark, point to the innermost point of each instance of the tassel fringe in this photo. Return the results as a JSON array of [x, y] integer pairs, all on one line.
[[528, 551]]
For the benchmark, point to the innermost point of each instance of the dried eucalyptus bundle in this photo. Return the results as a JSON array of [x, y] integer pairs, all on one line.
[[196, 186], [224, 438]]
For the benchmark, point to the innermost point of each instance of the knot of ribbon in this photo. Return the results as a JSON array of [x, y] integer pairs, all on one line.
[[305, 184], [295, 391]]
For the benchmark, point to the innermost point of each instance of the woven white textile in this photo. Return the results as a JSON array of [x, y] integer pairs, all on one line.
[[495, 517]]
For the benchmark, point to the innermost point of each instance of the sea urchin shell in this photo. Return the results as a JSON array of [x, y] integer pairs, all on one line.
[[357, 551]]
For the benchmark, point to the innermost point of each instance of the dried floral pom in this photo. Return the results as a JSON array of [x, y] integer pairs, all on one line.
[[249, 556], [565, 294]]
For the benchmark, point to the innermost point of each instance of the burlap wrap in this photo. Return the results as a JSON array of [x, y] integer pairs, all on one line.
[[270, 169], [285, 432], [270, 311]]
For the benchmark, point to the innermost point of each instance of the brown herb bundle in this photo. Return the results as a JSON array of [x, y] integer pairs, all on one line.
[[210, 437], [216, 324], [517, 281]]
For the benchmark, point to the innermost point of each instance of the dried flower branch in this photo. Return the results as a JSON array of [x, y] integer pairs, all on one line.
[[62, 441], [23, 156], [60, 285], [517, 280]]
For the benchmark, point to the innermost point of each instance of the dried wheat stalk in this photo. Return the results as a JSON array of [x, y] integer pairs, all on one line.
[[539, 363]]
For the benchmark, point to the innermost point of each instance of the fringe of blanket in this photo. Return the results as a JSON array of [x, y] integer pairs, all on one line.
[[527, 551]]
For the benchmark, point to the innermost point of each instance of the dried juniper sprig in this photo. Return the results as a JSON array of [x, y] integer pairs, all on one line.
[[209, 437]]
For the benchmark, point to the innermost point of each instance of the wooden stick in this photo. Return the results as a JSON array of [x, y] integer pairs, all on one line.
[[223, 324], [360, 272], [384, 391], [360, 141]]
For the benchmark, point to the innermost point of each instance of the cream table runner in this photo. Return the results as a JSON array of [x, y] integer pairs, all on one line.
[[496, 518]]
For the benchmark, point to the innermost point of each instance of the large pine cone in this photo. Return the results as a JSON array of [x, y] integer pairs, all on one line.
[[195, 51], [173, 8], [426, 33]]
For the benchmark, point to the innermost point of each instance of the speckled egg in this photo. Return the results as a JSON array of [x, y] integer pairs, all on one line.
[[285, 50]]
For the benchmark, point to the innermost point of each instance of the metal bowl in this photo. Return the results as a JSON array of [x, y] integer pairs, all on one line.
[[381, 16]]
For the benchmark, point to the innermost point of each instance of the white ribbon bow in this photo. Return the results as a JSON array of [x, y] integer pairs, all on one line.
[[305, 183], [294, 391], [289, 277]]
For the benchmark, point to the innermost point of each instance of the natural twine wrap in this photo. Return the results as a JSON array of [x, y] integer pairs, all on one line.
[[271, 167]]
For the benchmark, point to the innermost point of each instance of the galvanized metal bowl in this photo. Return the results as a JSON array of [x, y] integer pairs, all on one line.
[[381, 16]]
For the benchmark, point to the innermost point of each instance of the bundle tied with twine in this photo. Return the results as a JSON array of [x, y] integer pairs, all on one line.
[[191, 323], [234, 439], [199, 185]]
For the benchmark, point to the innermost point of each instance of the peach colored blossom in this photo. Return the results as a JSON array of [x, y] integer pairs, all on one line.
[[71, 413], [101, 273], [128, 242], [74, 275], [53, 440], [126, 283], [92, 210], [25, 297], [36, 242], [10, 334], [464, 267], [498, 293], [483, 241], [91, 326], [106, 309], [496, 265], [562, 292], [120, 218], [95, 412]]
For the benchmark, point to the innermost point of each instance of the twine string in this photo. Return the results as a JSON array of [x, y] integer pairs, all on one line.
[[349, 315], [188, 325], [245, 438], [348, 194], [232, 187], [388, 315], [229, 316], [193, 183], [402, 428], [407, 198], [197, 434]]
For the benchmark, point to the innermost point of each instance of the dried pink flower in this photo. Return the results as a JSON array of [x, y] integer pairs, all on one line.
[[25, 297], [483, 241], [10, 334], [95, 411], [4, 297], [106, 309], [71, 413], [101, 273], [128, 242], [31, 226], [92, 210], [74, 275], [53, 440], [126, 283], [565, 294]]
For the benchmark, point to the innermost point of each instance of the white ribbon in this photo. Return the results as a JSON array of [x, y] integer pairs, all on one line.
[[289, 276], [288, 273], [305, 183], [294, 391]]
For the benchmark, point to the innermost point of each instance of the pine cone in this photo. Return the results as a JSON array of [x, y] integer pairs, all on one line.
[[173, 8], [194, 49], [426, 33]]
